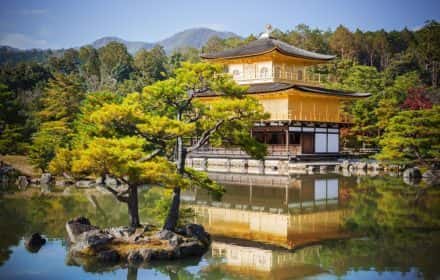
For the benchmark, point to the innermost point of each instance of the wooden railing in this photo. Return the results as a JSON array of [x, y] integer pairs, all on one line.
[[309, 116], [306, 78], [272, 150]]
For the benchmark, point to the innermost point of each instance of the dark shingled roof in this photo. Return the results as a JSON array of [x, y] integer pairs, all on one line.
[[274, 87], [265, 45]]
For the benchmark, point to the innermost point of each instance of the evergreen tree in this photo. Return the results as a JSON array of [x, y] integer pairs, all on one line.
[[61, 103], [412, 137]]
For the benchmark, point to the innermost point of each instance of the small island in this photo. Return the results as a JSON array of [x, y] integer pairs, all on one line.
[[88, 243]]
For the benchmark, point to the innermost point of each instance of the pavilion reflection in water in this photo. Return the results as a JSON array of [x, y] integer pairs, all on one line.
[[264, 263], [280, 210]]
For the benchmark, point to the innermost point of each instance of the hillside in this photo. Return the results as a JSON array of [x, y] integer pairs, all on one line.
[[195, 37]]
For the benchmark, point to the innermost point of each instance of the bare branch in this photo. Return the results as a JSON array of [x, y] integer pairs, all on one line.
[[119, 195], [151, 155], [208, 133], [195, 118]]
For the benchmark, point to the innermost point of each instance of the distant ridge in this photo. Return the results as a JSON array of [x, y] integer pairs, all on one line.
[[194, 37]]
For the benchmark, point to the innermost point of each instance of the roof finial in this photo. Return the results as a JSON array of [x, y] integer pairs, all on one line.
[[267, 33]]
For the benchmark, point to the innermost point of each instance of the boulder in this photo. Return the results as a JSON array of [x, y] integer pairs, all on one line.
[[46, 178], [84, 184], [375, 166], [63, 183], [77, 226], [90, 242], [345, 164], [22, 182], [431, 174], [412, 173], [6, 170], [165, 234], [431, 177], [175, 240], [361, 165], [198, 231], [35, 181], [34, 243], [148, 228], [119, 232]]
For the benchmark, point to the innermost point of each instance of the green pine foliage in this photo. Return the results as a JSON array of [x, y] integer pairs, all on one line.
[[412, 137]]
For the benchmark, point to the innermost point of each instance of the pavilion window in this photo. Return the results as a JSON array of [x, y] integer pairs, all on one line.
[[277, 72], [299, 75], [259, 136], [294, 138], [236, 73], [264, 73], [276, 138]]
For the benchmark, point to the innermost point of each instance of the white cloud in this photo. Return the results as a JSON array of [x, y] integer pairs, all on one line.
[[33, 12], [22, 41]]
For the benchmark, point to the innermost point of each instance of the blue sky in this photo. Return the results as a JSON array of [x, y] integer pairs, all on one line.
[[64, 24]]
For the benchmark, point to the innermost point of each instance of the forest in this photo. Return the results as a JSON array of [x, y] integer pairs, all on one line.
[[45, 95]]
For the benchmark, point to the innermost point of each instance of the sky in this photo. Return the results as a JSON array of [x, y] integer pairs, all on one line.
[[63, 24]]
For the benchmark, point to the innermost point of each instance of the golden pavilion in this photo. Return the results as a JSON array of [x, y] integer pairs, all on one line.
[[305, 118]]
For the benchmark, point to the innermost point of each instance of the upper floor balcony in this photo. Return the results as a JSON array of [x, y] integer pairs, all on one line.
[[269, 72]]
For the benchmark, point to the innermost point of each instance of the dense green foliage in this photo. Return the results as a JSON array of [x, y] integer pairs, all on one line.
[[412, 137], [399, 68], [134, 139]]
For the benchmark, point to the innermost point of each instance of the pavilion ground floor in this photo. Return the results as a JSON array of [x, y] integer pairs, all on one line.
[[292, 147], [287, 140]]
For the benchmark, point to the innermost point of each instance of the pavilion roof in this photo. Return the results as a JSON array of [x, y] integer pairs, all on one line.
[[264, 45]]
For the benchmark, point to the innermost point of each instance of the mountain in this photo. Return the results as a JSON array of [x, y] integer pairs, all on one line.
[[132, 46], [194, 37]]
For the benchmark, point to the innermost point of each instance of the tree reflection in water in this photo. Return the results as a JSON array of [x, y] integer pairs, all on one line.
[[399, 223]]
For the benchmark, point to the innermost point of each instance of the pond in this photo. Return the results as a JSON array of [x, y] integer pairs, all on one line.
[[324, 226]]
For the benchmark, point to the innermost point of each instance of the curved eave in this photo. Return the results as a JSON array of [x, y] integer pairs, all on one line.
[[281, 51], [277, 87], [325, 91]]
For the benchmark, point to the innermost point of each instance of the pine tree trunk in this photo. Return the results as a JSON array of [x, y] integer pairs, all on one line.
[[173, 214], [132, 273], [133, 207]]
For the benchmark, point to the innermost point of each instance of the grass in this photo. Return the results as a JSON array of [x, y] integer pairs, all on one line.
[[21, 163]]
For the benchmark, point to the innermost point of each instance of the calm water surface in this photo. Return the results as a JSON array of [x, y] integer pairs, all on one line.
[[264, 227]]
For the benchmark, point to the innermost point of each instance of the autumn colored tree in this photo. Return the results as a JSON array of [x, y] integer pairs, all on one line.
[[417, 99]]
